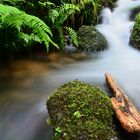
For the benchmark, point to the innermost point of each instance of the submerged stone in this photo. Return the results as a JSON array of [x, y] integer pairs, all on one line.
[[79, 111], [90, 39]]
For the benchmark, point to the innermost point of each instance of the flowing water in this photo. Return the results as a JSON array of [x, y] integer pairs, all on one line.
[[26, 84]]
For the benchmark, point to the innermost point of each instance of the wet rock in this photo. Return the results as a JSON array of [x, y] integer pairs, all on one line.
[[79, 111], [91, 40], [134, 13], [70, 49]]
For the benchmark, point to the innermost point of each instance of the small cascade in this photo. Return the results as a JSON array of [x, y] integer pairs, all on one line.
[[116, 25]]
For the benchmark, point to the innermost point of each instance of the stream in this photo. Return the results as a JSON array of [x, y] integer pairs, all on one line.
[[26, 84]]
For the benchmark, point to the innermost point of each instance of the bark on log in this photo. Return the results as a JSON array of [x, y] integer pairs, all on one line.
[[125, 111]]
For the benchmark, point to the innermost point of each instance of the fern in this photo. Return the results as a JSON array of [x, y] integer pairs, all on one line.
[[28, 38], [8, 10], [83, 3], [53, 15], [73, 35], [39, 31], [58, 16], [66, 10], [61, 13], [47, 3]]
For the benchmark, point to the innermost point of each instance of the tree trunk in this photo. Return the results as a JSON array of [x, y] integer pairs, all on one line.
[[125, 111]]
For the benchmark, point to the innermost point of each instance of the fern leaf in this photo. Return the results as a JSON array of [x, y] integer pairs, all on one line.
[[53, 15], [14, 21], [47, 3], [28, 38], [8, 10], [73, 35], [13, 17], [66, 10]]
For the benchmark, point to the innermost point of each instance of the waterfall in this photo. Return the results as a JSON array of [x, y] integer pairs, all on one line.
[[116, 26], [121, 59]]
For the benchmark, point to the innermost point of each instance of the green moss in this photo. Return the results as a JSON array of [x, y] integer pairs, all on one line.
[[80, 112], [90, 39], [135, 35]]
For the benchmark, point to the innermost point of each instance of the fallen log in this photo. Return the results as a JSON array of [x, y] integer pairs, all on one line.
[[125, 111]]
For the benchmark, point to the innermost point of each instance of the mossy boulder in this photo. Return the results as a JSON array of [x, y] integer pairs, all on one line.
[[90, 39], [135, 34], [79, 111]]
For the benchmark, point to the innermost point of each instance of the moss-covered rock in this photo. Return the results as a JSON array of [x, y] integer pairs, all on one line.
[[135, 34], [90, 39], [79, 111]]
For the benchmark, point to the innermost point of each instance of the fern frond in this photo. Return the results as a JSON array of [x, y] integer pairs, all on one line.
[[14, 20], [83, 3], [66, 10], [39, 31], [47, 3], [73, 35], [36, 24], [8, 10], [53, 15], [28, 38]]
